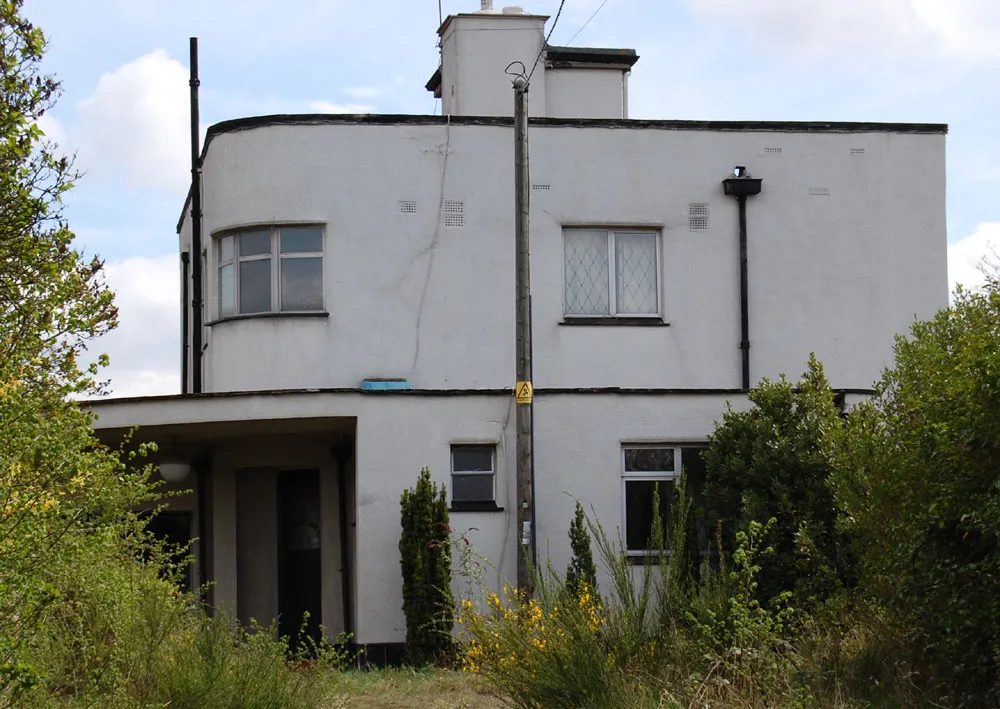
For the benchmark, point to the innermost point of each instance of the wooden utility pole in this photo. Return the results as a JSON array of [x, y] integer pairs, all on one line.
[[523, 390]]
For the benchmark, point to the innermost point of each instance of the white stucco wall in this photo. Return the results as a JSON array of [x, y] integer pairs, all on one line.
[[845, 250], [585, 93]]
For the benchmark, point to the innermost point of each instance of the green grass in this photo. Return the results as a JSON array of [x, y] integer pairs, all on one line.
[[412, 689]]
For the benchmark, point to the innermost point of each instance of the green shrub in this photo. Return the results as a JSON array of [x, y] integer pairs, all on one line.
[[425, 559], [581, 572], [917, 482], [775, 461]]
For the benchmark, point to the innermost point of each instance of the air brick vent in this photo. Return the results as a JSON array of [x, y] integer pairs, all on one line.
[[407, 206], [454, 213], [772, 151], [697, 216]]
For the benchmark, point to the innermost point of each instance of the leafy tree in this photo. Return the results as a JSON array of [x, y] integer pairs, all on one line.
[[918, 484], [61, 493], [774, 461], [425, 560], [581, 570]]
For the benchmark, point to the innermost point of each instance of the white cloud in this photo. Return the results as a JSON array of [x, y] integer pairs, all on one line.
[[327, 107], [968, 257], [137, 122], [145, 348], [363, 92], [965, 29], [53, 129]]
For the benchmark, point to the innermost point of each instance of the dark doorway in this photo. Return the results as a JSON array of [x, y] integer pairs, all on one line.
[[174, 528], [298, 554]]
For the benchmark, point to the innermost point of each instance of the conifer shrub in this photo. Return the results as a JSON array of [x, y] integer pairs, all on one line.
[[425, 561], [581, 572]]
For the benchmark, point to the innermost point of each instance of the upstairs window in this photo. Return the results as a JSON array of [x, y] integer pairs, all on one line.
[[271, 270], [611, 273]]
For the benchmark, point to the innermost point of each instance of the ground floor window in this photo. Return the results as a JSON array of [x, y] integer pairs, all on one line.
[[473, 476], [649, 468]]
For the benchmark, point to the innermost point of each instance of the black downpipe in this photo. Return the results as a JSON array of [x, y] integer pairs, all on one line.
[[196, 300], [185, 320], [203, 470], [741, 186], [744, 293]]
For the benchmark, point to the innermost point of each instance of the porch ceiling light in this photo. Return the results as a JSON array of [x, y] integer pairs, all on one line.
[[174, 471]]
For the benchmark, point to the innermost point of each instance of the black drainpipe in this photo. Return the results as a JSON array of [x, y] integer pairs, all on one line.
[[185, 321], [741, 186], [196, 334]]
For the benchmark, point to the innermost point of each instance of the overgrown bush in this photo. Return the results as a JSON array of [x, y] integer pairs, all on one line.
[[649, 642], [918, 485], [425, 560], [775, 461]]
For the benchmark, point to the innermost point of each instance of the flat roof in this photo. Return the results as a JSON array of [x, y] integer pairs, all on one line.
[[557, 57], [238, 125]]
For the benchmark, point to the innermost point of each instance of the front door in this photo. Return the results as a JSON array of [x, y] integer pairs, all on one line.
[[299, 568]]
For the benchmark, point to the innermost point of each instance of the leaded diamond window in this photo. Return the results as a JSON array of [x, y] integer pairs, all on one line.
[[611, 273]]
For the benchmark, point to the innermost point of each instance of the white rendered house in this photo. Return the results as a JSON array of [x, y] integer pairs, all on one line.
[[358, 312]]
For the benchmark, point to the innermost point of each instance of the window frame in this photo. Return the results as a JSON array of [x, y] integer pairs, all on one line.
[[671, 476], [473, 505], [611, 235], [276, 258]]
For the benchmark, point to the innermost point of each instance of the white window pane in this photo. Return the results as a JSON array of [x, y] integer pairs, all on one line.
[[299, 240], [586, 264], [644, 460], [255, 286], [227, 290], [253, 243], [301, 284], [471, 488], [472, 458], [227, 248], [635, 273]]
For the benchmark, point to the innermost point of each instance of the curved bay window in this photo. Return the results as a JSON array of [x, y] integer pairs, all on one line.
[[267, 270]]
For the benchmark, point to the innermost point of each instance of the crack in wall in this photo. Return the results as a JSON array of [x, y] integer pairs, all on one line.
[[431, 249]]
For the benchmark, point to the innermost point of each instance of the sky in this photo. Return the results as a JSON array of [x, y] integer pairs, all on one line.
[[124, 110]]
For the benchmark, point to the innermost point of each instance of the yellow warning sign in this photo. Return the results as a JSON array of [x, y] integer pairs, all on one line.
[[523, 392]]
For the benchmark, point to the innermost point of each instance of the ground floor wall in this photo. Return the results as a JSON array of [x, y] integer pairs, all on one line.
[[366, 450]]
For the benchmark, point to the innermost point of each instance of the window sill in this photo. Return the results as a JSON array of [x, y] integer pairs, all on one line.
[[615, 321], [646, 559], [255, 316], [474, 507]]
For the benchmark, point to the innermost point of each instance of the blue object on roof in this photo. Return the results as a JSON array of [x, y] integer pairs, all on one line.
[[384, 384]]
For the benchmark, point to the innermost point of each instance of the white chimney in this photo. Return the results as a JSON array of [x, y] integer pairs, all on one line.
[[486, 5]]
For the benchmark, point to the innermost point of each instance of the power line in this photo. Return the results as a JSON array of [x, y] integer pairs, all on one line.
[[584, 26], [547, 38]]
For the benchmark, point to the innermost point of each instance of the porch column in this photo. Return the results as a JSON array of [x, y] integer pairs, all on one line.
[[330, 554], [223, 483]]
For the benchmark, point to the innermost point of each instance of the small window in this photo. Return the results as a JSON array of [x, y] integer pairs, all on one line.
[[271, 270], [611, 273], [473, 475]]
